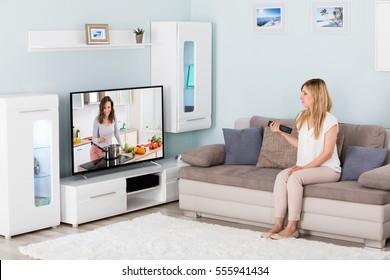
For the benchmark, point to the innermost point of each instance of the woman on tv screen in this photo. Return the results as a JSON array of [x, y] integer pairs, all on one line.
[[104, 127]]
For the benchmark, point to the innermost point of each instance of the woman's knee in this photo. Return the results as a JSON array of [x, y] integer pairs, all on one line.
[[282, 176], [294, 180]]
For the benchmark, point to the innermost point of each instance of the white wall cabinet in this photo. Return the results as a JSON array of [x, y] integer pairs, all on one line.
[[29, 166], [181, 61], [382, 34]]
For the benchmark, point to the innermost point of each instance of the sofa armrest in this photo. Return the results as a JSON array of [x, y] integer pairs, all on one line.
[[205, 156]]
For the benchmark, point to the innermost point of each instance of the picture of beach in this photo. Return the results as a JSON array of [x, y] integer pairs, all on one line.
[[331, 16], [269, 17]]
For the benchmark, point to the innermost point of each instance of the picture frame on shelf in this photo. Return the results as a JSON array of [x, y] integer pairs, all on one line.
[[97, 34], [330, 17], [269, 17]]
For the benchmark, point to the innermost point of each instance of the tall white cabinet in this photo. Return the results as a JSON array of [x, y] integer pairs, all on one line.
[[29, 163], [181, 61], [382, 34]]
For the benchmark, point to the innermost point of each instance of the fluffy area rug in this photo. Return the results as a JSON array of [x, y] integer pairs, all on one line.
[[156, 236]]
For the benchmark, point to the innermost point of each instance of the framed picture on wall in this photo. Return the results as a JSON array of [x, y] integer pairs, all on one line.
[[330, 17], [271, 17], [97, 34]]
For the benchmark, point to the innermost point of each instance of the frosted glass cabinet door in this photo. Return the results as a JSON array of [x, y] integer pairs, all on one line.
[[194, 52], [42, 146]]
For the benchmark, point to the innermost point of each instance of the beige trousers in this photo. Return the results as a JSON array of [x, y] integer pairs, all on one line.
[[288, 189]]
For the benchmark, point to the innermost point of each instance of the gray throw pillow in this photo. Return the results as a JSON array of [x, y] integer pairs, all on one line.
[[359, 160], [242, 145]]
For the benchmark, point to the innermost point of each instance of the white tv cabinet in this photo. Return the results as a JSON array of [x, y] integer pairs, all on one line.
[[84, 200], [382, 38]]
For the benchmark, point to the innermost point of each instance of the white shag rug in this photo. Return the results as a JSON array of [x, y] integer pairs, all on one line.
[[156, 236]]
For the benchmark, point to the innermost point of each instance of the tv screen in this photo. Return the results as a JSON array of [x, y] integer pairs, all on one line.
[[116, 127]]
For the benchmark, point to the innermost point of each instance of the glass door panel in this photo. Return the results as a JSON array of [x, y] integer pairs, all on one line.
[[42, 147], [189, 77]]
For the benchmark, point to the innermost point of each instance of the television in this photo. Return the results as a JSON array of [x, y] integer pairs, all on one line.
[[113, 128]]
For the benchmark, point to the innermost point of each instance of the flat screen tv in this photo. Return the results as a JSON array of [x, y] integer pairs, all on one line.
[[116, 127]]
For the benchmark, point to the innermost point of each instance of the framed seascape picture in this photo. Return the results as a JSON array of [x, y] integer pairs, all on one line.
[[97, 34], [269, 17], [330, 17]]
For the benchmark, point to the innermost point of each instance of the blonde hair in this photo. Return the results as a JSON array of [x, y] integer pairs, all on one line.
[[321, 105]]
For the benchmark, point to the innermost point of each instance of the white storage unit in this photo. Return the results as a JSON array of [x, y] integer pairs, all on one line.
[[29, 163], [172, 179], [91, 199], [181, 61], [100, 196], [382, 34]]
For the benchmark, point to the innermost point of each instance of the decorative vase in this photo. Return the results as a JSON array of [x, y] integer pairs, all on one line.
[[138, 38]]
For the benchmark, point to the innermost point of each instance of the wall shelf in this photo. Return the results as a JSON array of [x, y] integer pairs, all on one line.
[[55, 41]]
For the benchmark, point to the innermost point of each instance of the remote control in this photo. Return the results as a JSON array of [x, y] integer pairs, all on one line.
[[282, 128]]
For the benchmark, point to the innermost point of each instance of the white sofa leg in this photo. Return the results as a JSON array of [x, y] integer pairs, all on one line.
[[374, 244], [192, 214]]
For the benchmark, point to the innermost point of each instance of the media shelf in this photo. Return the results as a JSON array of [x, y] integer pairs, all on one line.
[[137, 203], [97, 197]]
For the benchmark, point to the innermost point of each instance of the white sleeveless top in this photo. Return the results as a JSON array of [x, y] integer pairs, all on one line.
[[310, 148]]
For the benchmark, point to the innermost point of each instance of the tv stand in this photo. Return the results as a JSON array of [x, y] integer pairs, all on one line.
[[155, 163], [105, 195]]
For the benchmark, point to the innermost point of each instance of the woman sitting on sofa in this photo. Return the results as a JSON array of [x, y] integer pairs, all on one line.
[[317, 159]]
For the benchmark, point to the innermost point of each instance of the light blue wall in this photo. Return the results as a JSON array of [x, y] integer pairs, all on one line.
[[261, 73], [253, 73], [63, 72]]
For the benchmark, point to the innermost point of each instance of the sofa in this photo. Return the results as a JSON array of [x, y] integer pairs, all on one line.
[[356, 208]]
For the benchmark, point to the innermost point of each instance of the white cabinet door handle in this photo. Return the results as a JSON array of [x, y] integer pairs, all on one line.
[[33, 111], [100, 195]]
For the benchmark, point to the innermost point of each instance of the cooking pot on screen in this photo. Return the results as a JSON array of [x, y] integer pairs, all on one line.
[[112, 151]]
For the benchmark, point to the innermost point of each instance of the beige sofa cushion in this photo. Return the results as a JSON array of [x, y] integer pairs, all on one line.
[[276, 152], [205, 156], [246, 176], [350, 191], [378, 178]]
